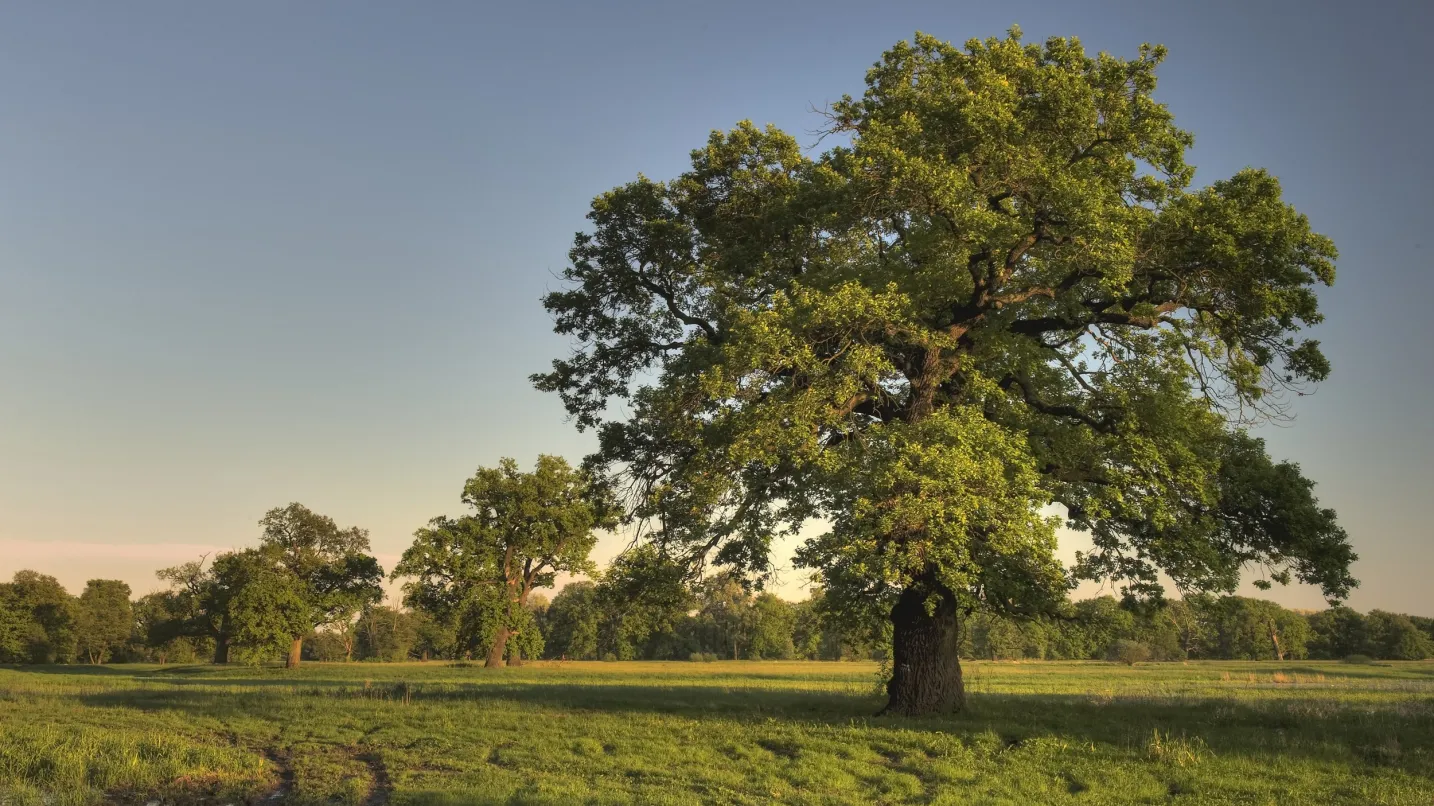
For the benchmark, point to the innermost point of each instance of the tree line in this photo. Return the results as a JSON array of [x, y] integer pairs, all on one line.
[[620, 614], [472, 590]]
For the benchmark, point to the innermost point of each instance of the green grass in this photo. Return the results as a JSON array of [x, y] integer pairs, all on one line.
[[743, 732]]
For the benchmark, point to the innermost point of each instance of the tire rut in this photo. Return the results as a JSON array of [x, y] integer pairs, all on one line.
[[279, 759], [380, 786]]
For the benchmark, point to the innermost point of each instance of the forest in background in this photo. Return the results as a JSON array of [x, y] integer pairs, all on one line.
[[715, 618]]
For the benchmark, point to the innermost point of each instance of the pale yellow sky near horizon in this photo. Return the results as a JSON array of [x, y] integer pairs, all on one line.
[[73, 563]]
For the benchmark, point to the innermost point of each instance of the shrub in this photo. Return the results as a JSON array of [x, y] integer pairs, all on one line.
[[609, 657], [697, 657], [1360, 659], [709, 657], [1129, 652]]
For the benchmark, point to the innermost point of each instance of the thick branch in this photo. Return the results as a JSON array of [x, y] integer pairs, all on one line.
[[1054, 409]]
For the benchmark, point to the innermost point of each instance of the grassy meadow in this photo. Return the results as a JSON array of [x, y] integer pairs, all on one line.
[[725, 732]]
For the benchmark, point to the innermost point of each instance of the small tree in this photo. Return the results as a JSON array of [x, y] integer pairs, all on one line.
[[478, 570], [1129, 652], [106, 618], [197, 605], [1393, 636], [387, 633], [642, 593], [725, 615], [333, 574], [44, 619], [1338, 632], [772, 623], [574, 619], [264, 606]]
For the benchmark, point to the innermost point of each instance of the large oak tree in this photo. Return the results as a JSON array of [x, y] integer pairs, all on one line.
[[997, 298]]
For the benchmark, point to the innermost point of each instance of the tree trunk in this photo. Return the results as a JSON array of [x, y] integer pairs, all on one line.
[[515, 658], [500, 643], [1275, 638], [926, 667], [296, 650], [221, 649]]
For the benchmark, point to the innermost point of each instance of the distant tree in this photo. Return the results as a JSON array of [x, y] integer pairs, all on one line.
[[105, 619], [435, 638], [1099, 623], [1425, 625], [573, 621], [265, 607], [772, 622], [538, 604], [998, 291], [14, 625], [43, 616], [1337, 632], [1189, 617], [387, 633], [1393, 636], [726, 615], [642, 594], [1256, 629], [334, 576], [1129, 652], [808, 630], [479, 570], [197, 606], [1157, 626], [163, 628], [326, 646], [994, 637]]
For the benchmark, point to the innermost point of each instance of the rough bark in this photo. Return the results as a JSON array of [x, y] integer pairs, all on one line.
[[515, 658], [221, 649], [926, 667], [500, 644], [296, 650]]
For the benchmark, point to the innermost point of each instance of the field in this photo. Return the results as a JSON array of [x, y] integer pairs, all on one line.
[[726, 732]]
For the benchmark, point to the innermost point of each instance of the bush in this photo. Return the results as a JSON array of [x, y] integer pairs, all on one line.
[[697, 657], [1360, 659], [709, 657], [1128, 652], [609, 657]]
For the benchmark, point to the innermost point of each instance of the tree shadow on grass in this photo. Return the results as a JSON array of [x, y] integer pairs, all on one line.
[[1405, 671], [1314, 727], [73, 670]]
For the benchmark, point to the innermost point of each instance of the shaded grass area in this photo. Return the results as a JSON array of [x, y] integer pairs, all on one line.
[[733, 732]]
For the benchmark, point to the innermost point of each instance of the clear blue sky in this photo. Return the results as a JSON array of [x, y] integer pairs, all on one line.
[[266, 252]]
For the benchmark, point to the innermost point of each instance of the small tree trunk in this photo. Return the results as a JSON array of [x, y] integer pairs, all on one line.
[[221, 649], [296, 651], [500, 643], [515, 658], [926, 666], [1275, 639]]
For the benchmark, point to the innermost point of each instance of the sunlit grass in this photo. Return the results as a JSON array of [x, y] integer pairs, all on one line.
[[734, 732]]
